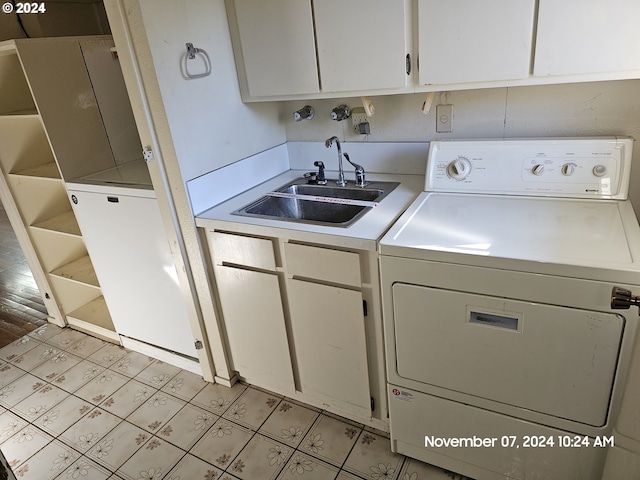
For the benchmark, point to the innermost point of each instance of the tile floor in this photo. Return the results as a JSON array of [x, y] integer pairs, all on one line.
[[75, 407]]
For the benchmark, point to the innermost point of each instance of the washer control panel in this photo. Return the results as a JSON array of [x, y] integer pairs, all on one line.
[[580, 168]]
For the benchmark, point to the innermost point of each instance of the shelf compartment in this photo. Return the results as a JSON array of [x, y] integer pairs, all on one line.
[[38, 198], [63, 223], [94, 318], [72, 295], [55, 249], [80, 270], [47, 170], [23, 144], [16, 96]]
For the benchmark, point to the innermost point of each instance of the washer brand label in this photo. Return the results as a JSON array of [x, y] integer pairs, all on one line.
[[402, 395]]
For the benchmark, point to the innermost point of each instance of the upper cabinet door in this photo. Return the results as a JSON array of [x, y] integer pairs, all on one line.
[[587, 36], [277, 46], [362, 44], [463, 41]]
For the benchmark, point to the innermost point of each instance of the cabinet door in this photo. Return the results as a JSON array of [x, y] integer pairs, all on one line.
[[128, 246], [362, 44], [254, 321], [462, 41], [277, 48], [587, 36], [330, 345]]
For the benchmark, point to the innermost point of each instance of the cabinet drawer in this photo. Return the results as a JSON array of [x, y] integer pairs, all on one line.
[[240, 250], [323, 264]]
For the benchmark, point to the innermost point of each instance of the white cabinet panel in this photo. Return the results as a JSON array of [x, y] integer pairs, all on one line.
[[462, 41], [241, 250], [587, 36], [277, 46], [323, 264], [361, 44], [330, 344], [128, 246], [254, 320]]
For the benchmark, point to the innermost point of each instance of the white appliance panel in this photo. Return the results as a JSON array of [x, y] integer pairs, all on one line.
[[415, 415], [570, 231], [496, 294], [576, 168], [503, 350], [128, 246]]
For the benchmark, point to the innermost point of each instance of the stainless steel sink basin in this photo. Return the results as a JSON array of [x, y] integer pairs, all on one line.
[[318, 204]]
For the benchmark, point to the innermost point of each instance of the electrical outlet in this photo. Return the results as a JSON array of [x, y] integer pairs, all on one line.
[[358, 116], [444, 118]]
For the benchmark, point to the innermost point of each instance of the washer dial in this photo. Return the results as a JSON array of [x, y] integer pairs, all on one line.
[[599, 170], [459, 168], [538, 169], [568, 169]]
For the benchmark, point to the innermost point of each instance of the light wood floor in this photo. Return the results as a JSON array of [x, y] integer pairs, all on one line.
[[21, 307]]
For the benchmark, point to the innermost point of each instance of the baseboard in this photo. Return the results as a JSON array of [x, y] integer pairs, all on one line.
[[163, 355]]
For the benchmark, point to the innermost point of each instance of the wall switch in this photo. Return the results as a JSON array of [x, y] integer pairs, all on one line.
[[444, 118], [358, 117]]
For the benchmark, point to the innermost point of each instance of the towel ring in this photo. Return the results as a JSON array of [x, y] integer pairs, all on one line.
[[190, 55]]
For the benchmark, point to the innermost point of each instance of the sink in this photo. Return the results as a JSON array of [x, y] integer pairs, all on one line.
[[328, 204]]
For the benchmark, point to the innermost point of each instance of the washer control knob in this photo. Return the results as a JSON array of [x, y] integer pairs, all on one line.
[[599, 170], [538, 169], [568, 169], [459, 168]]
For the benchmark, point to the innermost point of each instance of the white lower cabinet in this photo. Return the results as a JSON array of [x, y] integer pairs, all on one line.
[[128, 245], [255, 325], [296, 323], [331, 350]]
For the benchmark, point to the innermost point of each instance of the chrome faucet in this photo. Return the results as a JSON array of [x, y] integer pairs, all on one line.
[[327, 144]]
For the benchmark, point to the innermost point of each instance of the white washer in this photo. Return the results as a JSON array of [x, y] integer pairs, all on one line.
[[504, 356]]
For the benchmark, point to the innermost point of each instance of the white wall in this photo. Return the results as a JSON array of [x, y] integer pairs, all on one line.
[[210, 125], [585, 109]]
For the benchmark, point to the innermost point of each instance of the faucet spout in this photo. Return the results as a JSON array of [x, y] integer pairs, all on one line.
[[328, 144]]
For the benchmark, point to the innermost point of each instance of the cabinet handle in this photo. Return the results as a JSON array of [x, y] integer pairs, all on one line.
[[408, 63], [113, 199]]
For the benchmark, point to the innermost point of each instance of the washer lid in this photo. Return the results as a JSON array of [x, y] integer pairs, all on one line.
[[566, 231]]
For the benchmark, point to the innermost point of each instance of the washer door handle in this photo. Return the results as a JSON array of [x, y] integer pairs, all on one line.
[[622, 298]]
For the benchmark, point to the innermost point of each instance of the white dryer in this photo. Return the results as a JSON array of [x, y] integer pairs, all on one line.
[[505, 359]]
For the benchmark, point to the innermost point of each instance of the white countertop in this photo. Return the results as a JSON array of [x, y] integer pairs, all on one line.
[[363, 234]]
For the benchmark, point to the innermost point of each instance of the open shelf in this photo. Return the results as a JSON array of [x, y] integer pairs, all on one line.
[[16, 96], [38, 198], [23, 144], [21, 113], [64, 223], [47, 170], [80, 270], [94, 318]]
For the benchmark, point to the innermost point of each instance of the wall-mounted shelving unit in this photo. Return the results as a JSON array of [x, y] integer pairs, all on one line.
[[52, 131]]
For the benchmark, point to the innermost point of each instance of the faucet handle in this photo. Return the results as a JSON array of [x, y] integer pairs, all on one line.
[[360, 178], [341, 112]]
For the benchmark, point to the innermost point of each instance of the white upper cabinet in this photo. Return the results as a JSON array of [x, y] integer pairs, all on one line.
[[587, 36], [274, 46], [362, 44], [295, 49], [464, 41]]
